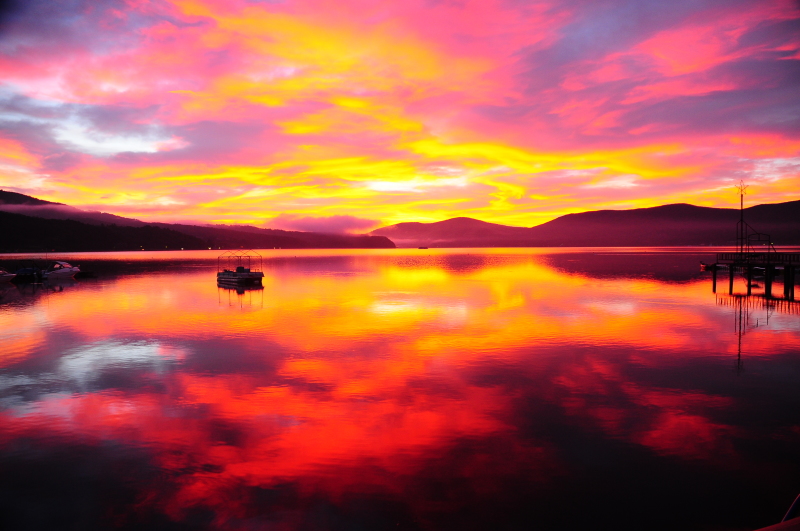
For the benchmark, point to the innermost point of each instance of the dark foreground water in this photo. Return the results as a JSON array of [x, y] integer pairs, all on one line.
[[398, 389]]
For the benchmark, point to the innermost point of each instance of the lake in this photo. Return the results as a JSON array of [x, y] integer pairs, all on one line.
[[398, 389]]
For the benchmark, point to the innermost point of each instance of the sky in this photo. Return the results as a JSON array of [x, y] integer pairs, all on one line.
[[347, 115]]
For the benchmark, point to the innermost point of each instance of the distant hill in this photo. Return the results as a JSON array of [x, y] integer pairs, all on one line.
[[33, 225], [227, 236], [668, 225], [13, 198], [31, 234], [39, 208], [451, 230]]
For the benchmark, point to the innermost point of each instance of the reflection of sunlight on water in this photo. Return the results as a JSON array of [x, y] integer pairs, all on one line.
[[615, 307], [413, 277], [386, 307]]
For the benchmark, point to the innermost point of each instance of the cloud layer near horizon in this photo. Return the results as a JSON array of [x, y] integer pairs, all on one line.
[[505, 110], [331, 224]]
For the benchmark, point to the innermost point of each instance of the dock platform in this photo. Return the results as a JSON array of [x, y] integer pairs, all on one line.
[[770, 265]]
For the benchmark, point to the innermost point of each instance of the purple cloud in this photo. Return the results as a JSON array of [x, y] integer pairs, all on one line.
[[330, 224]]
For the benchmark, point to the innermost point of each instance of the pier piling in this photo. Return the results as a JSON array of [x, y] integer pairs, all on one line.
[[714, 278], [730, 280], [749, 279], [769, 274]]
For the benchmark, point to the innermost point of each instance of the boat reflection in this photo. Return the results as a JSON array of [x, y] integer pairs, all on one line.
[[14, 291], [8, 293], [241, 295]]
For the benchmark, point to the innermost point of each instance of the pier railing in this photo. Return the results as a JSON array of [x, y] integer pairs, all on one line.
[[759, 258]]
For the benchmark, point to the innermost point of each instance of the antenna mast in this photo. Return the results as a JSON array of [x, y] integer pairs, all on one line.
[[741, 227]]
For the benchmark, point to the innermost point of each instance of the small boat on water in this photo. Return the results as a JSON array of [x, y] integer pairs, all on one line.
[[239, 268], [33, 273], [708, 267], [239, 276], [60, 270], [27, 275], [5, 276]]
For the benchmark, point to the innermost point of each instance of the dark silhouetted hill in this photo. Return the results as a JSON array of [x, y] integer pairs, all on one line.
[[30, 206], [481, 233], [13, 198], [31, 234], [255, 238], [33, 225], [668, 225]]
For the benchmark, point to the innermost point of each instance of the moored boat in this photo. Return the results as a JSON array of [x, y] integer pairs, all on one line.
[[27, 275], [239, 276], [239, 268], [5, 276], [60, 270]]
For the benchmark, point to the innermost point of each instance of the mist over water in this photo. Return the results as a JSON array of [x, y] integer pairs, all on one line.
[[398, 389]]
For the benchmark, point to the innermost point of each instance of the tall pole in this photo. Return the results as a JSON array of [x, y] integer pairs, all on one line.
[[741, 227]]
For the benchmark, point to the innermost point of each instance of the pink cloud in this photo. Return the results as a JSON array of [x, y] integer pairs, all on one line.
[[329, 224]]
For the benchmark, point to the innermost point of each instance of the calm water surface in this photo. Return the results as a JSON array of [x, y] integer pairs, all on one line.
[[398, 389]]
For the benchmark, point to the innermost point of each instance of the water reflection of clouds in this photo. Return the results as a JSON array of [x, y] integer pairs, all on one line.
[[679, 421], [778, 322], [86, 363], [414, 383], [83, 369]]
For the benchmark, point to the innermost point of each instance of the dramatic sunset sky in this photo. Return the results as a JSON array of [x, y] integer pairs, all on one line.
[[350, 114]]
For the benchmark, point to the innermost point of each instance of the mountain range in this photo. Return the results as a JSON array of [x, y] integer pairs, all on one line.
[[668, 225], [31, 224]]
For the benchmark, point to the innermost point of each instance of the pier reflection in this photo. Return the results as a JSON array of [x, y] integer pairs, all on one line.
[[744, 305], [760, 302], [8, 293], [753, 267]]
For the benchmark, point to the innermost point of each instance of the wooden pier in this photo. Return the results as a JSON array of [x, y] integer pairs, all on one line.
[[769, 265]]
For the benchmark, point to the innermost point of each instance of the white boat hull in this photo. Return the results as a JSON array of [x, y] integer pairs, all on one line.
[[237, 279], [69, 272]]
